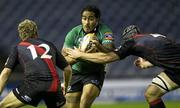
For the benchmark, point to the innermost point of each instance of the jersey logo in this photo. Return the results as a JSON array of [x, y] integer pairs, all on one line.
[[108, 36], [26, 98]]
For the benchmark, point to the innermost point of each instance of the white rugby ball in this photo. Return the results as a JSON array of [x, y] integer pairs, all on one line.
[[86, 43]]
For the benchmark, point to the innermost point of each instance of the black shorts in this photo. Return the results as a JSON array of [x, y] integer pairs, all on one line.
[[78, 81], [174, 76], [33, 92]]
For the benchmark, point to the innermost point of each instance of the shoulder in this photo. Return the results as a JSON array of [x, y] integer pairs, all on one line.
[[105, 33], [104, 27], [43, 41], [105, 30], [75, 31], [13, 48]]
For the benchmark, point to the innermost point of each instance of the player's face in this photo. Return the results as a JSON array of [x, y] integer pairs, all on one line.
[[89, 21]]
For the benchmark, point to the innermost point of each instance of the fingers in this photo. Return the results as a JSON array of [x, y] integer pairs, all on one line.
[[69, 52], [137, 61], [73, 53], [95, 42], [90, 50], [141, 63]]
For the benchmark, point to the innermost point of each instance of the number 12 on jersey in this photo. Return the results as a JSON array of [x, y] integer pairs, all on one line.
[[34, 53]]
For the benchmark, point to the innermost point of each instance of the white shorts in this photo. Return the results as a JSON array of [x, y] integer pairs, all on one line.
[[164, 83]]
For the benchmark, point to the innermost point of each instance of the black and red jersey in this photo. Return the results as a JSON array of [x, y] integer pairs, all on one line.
[[156, 48], [38, 59]]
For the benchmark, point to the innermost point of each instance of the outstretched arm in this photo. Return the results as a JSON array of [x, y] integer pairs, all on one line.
[[4, 78], [98, 57]]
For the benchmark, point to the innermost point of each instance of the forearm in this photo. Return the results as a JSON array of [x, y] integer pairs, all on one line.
[[67, 77], [99, 57], [4, 78]]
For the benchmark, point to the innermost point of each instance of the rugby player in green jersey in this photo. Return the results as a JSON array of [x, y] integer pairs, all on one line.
[[88, 77]]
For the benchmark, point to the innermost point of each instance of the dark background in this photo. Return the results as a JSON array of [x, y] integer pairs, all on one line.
[[56, 17]]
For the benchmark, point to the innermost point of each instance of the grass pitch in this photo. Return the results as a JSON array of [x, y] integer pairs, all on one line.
[[169, 104]]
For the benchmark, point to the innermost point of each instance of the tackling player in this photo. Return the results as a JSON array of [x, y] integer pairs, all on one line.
[[88, 77], [38, 59], [156, 50]]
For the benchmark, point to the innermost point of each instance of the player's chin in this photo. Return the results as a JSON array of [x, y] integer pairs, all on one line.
[[87, 30]]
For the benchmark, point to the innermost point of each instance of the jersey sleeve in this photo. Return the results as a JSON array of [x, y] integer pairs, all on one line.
[[60, 60], [107, 35], [125, 49], [107, 39], [12, 59]]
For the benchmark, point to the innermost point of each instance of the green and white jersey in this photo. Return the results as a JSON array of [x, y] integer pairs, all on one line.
[[74, 38]]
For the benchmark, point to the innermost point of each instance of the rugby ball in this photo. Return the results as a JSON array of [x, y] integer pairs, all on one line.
[[86, 44]]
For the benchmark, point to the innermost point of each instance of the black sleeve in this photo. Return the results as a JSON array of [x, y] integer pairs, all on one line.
[[60, 60], [12, 60], [125, 49]]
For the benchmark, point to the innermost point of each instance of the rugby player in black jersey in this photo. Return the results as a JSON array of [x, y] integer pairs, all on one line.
[[38, 59]]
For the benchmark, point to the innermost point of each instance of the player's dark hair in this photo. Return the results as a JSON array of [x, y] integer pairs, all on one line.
[[92, 8], [130, 31]]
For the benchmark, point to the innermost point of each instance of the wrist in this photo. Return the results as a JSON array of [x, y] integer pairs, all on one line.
[[80, 55]]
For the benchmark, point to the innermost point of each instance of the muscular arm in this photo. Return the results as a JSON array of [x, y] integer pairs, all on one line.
[[4, 78], [98, 57]]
